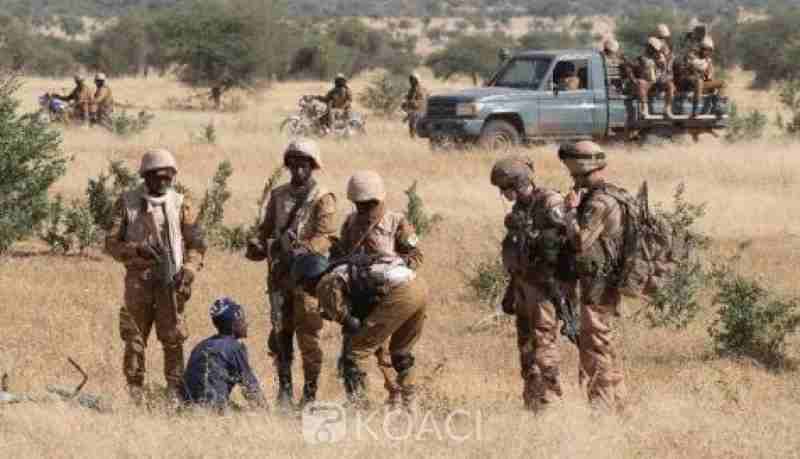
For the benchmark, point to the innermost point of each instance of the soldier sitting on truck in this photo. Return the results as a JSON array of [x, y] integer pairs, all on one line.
[[654, 73]]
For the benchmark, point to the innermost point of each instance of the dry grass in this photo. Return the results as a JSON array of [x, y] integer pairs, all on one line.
[[684, 402]]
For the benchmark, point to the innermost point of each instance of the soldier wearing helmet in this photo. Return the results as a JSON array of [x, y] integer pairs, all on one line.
[[414, 105], [299, 219], [617, 67], [338, 98], [81, 99], [594, 229], [535, 229], [698, 73], [654, 73], [375, 294], [155, 230], [103, 103], [663, 33]]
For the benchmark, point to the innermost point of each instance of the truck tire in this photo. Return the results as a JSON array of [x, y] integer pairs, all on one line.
[[499, 135]]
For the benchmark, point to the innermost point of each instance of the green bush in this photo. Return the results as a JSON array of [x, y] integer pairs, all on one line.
[[751, 321], [416, 213], [125, 125], [675, 304], [745, 127], [489, 280], [384, 94], [470, 55], [790, 99], [101, 195], [53, 231], [69, 226], [30, 162]]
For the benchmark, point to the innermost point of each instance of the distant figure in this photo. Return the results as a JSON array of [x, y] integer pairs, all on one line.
[[655, 72], [414, 105], [338, 98], [103, 104], [699, 73], [567, 77], [81, 97]]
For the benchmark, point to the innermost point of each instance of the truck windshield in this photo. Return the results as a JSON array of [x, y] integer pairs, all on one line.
[[523, 73]]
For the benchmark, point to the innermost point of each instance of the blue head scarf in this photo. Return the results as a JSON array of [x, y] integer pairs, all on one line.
[[224, 312]]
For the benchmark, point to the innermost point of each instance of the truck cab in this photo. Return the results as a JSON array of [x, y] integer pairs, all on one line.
[[527, 100]]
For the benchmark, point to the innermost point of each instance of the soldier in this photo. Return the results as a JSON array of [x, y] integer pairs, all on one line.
[[567, 77], [220, 362], [378, 283], [594, 224], [530, 255], [81, 97], [698, 72], [655, 72], [663, 33], [338, 98], [156, 236], [617, 69], [414, 104], [299, 219], [103, 104]]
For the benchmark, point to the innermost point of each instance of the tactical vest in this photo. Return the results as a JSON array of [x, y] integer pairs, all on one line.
[[381, 240], [602, 258], [284, 203], [533, 240]]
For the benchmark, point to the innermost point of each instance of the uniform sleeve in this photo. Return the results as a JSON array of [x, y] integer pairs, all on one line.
[[328, 97], [583, 230], [251, 388], [343, 246], [332, 300], [323, 225], [115, 243], [102, 96], [193, 236], [406, 244], [267, 226]]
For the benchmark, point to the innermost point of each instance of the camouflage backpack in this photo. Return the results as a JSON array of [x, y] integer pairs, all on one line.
[[651, 248]]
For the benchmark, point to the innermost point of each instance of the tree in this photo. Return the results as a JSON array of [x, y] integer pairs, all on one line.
[[634, 29], [127, 47], [222, 45], [771, 47], [471, 55], [30, 162]]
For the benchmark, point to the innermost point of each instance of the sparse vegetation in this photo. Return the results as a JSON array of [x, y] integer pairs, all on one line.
[[416, 213], [384, 95], [489, 280], [745, 127], [125, 125]]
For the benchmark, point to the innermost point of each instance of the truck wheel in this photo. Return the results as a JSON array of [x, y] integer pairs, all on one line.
[[498, 135]]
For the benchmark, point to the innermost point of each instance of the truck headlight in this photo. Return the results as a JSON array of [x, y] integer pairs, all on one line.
[[468, 109]]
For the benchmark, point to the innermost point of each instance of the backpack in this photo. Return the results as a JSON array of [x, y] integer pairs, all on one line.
[[651, 248]]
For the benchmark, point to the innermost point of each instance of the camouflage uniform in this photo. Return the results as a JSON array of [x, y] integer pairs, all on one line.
[[338, 98], [697, 72], [595, 231], [103, 104], [82, 99], [395, 313], [415, 106], [284, 233], [617, 67], [530, 254], [136, 223], [655, 72]]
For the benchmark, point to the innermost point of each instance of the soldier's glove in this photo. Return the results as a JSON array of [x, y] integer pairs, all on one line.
[[351, 325]]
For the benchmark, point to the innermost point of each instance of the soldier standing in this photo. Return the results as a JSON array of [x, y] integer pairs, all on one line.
[[617, 68], [378, 282], [299, 219], [156, 236], [103, 104], [535, 229], [594, 225], [414, 104]]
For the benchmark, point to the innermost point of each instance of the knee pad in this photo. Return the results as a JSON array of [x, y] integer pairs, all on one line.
[[402, 362]]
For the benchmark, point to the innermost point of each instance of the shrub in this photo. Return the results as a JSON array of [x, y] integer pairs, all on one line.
[[790, 99], [675, 304], [30, 162], [751, 321], [125, 125], [416, 213], [53, 232], [101, 195], [384, 94], [745, 127], [489, 280], [80, 225]]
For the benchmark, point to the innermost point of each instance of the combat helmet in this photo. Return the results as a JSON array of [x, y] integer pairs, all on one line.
[[304, 148], [707, 43], [158, 159], [611, 45], [365, 186], [655, 43], [512, 172], [662, 31], [583, 157]]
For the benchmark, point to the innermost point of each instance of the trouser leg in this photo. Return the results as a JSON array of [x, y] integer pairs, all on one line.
[[309, 325], [135, 323], [172, 331]]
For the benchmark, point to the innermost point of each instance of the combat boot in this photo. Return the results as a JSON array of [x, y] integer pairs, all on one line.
[[136, 393], [355, 387], [309, 391], [644, 110]]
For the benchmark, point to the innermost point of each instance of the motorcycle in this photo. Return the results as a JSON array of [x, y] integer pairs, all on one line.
[[54, 110], [315, 120]]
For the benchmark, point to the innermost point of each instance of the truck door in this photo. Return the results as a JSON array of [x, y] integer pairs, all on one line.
[[567, 107]]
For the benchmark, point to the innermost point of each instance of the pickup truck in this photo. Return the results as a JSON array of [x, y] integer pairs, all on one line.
[[524, 103]]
